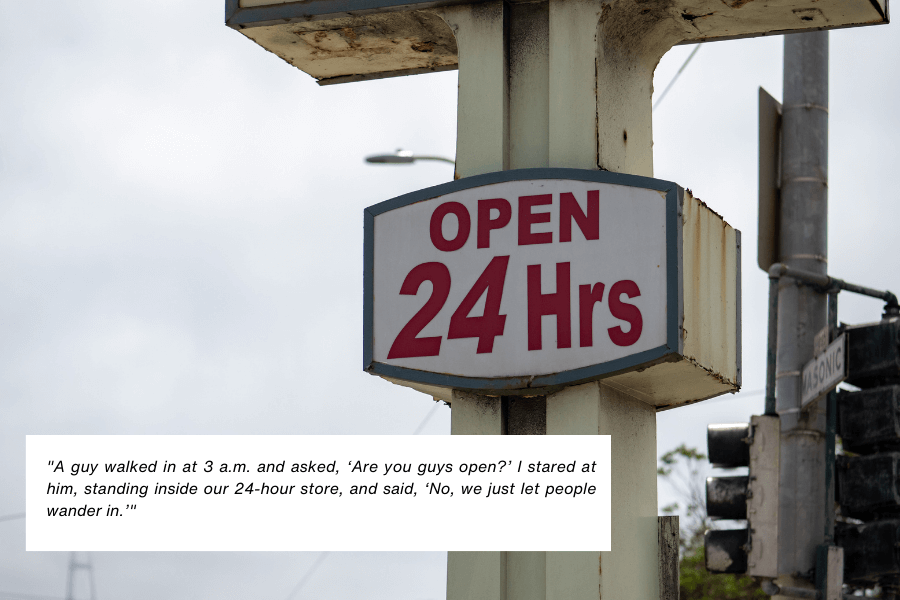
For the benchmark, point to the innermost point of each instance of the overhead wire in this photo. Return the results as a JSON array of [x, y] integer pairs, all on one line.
[[21, 596], [12, 517], [674, 79], [323, 555], [736, 395], [312, 569]]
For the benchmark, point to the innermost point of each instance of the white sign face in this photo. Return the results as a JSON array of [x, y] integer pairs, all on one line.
[[825, 371], [518, 279]]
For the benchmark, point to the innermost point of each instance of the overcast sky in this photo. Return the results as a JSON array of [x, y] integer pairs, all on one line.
[[181, 250]]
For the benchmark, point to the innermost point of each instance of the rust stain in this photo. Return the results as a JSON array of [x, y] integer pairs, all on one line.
[[696, 292], [692, 18], [604, 14], [705, 205], [628, 25], [600, 573], [717, 376], [423, 47], [349, 33]]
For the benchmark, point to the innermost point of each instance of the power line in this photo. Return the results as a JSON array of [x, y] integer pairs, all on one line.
[[76, 564], [427, 417], [12, 517], [321, 558], [674, 79], [737, 395], [21, 596]]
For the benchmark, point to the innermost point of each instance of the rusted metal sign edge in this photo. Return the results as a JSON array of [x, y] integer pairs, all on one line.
[[670, 351]]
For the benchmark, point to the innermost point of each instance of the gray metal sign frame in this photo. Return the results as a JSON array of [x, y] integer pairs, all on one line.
[[674, 346], [237, 17]]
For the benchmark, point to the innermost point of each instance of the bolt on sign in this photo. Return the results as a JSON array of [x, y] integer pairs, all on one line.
[[527, 281]]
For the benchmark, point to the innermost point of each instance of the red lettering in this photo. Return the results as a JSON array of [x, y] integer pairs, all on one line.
[[549, 304], [527, 219], [486, 223], [570, 210], [587, 297], [626, 312], [462, 232], [492, 323], [406, 344]]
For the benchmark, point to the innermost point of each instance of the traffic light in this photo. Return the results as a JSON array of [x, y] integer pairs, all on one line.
[[868, 474], [752, 497]]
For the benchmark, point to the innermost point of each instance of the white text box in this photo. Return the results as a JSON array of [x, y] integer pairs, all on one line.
[[107, 493]]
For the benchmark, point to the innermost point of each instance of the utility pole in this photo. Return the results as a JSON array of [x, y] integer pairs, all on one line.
[[802, 310], [76, 564]]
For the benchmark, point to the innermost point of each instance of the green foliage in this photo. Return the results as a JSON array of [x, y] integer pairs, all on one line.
[[699, 584], [683, 468]]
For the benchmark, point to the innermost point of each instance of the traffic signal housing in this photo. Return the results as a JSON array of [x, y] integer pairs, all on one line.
[[752, 497], [868, 474]]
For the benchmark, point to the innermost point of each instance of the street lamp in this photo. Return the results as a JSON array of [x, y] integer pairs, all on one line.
[[403, 157]]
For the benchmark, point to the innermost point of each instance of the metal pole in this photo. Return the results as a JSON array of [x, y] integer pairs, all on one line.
[[830, 429], [801, 308], [771, 349]]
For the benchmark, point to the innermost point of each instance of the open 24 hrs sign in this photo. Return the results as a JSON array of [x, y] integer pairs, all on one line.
[[520, 279]]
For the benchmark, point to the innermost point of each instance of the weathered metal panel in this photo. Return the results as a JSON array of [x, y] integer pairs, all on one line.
[[708, 341], [710, 280], [763, 499], [365, 39], [360, 47]]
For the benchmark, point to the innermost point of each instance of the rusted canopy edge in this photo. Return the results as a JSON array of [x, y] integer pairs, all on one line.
[[384, 75], [884, 21]]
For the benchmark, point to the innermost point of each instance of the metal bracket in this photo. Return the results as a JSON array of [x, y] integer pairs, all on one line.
[[823, 283]]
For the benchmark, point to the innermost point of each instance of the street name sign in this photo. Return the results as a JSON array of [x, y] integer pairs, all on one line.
[[526, 281], [825, 371]]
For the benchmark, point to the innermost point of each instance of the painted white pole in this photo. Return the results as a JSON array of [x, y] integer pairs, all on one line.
[[545, 85]]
